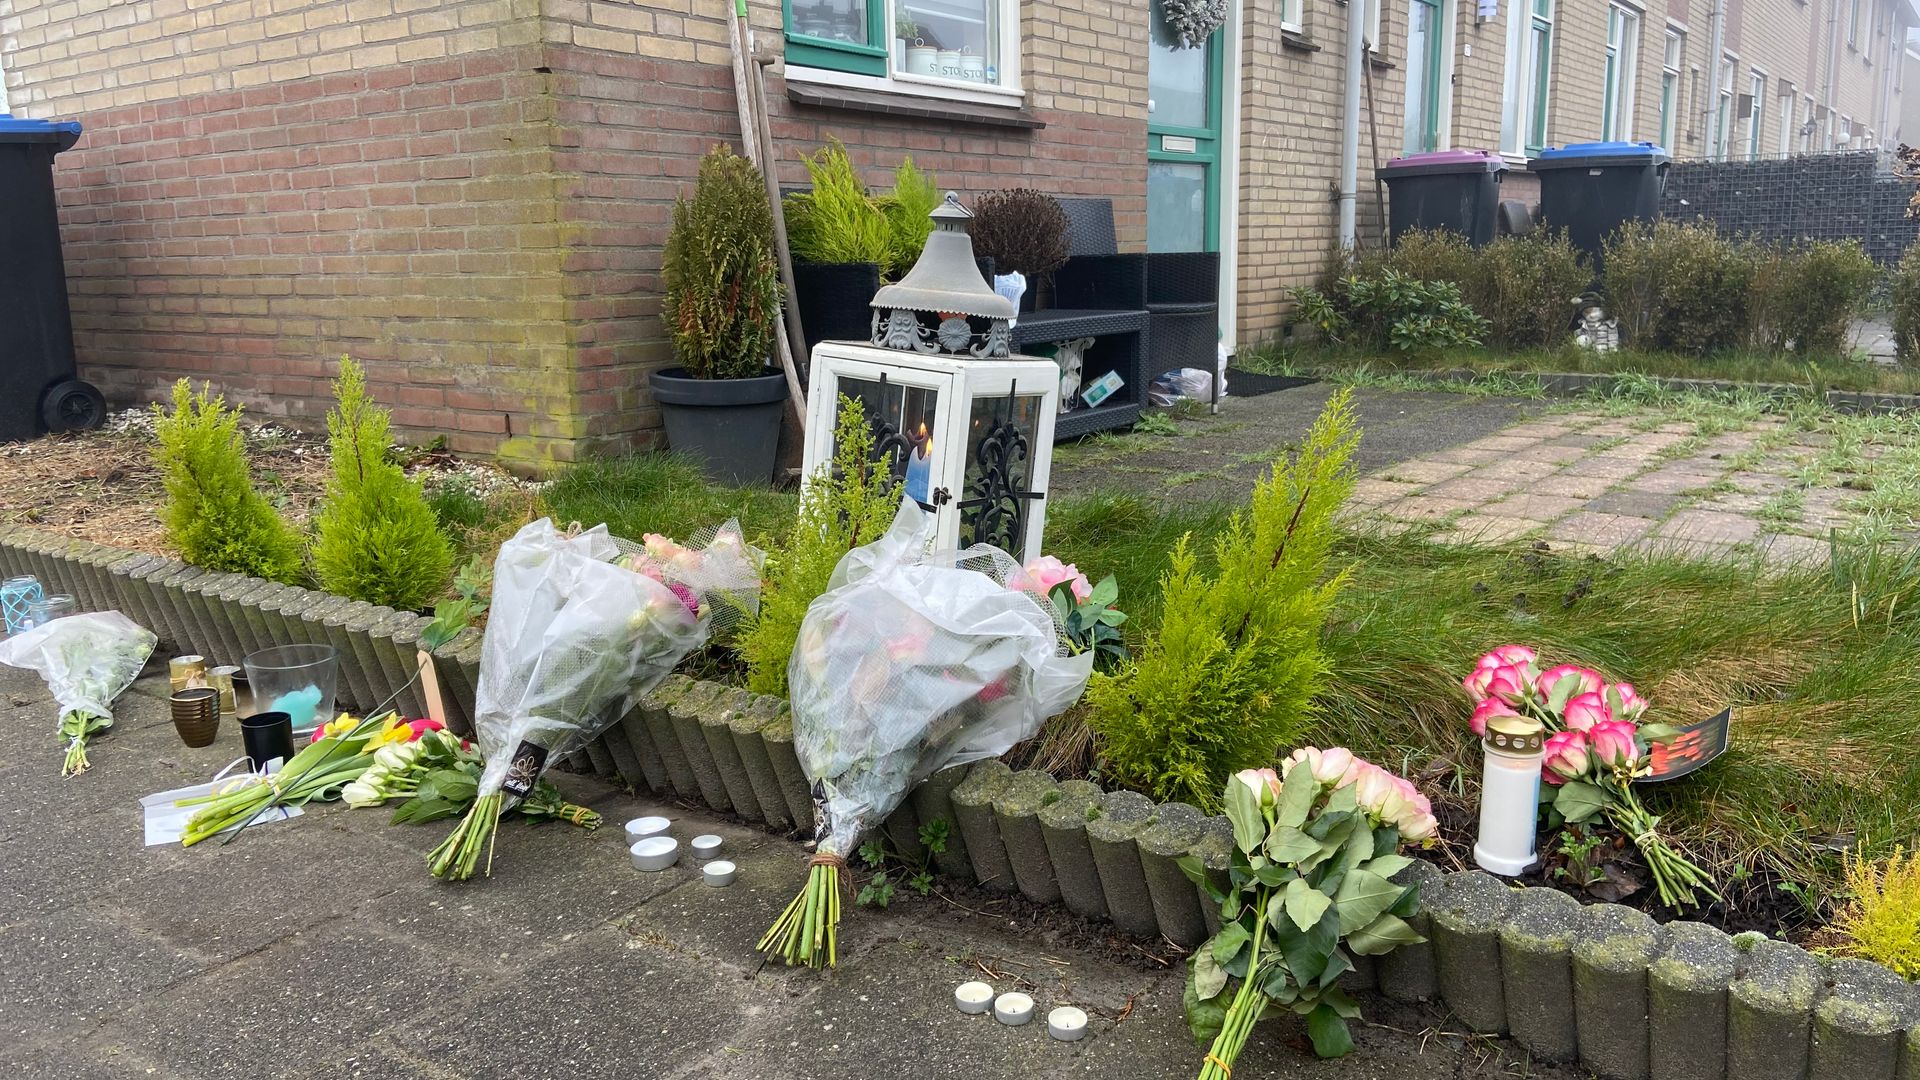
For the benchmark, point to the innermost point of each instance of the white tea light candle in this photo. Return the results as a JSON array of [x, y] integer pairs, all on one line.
[[642, 827], [1067, 1023], [1013, 1008], [718, 873], [973, 997], [706, 846], [1509, 795]]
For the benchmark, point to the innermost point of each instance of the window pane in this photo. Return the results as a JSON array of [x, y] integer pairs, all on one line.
[[1176, 206], [831, 20], [1000, 437], [1176, 78], [948, 39], [1422, 27], [1542, 54], [901, 418]]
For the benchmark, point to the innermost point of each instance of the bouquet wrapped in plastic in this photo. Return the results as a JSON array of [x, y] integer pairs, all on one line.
[[910, 663], [580, 626], [87, 661]]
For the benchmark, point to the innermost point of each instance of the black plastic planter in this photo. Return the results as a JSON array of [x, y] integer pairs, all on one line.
[[730, 426]]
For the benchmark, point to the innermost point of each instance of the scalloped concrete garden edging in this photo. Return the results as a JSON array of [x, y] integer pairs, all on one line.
[[1599, 984]]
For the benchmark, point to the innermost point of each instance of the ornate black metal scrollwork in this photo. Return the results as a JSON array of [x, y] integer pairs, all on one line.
[[995, 509]]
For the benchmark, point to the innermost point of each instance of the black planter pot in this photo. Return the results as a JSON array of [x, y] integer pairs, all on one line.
[[835, 300], [730, 426]]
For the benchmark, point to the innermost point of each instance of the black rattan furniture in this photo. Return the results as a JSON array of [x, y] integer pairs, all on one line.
[[1101, 295], [1183, 310]]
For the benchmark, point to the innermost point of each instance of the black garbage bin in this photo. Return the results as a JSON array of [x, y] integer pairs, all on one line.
[[38, 390], [1456, 190], [1591, 189]]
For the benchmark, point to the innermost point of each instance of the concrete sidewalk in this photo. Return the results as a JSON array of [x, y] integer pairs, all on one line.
[[320, 947]]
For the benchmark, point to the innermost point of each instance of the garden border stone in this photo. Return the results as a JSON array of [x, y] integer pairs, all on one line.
[[1679, 1002], [1215, 850]]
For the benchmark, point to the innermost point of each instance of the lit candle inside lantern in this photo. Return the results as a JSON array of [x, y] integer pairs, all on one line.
[[1509, 795], [919, 466]]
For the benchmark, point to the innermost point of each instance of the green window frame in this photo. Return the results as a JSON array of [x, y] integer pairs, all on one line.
[[854, 58], [1542, 34]]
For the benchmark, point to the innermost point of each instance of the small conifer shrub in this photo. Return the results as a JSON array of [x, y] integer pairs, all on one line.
[[1882, 921], [376, 538], [1231, 677], [848, 502], [214, 516]]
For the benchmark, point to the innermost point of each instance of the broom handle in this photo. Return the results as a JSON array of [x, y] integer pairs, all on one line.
[[756, 136]]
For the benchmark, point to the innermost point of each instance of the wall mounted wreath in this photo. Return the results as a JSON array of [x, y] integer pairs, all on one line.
[[1193, 21]]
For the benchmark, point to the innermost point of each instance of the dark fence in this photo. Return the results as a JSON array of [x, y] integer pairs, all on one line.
[[1851, 195]]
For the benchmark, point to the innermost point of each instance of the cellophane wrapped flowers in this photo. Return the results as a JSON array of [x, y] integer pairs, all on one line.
[[1597, 745], [910, 663], [1314, 855], [580, 626], [87, 661]]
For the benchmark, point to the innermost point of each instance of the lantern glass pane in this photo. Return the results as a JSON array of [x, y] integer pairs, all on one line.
[[997, 497], [901, 418]]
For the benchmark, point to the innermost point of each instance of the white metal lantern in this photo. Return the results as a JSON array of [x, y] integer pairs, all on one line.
[[966, 427], [971, 439]]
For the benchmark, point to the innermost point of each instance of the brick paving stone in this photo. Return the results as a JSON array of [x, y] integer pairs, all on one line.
[[1571, 485], [1580, 439], [1465, 456], [1478, 487], [1711, 527], [1677, 427], [1520, 466], [1646, 504], [1503, 443], [1537, 429], [1785, 549], [1423, 472], [1486, 528], [1601, 530], [1373, 491], [1556, 452], [1605, 467], [1737, 502], [1426, 508], [1759, 482], [1612, 429], [1671, 481], [1537, 507]]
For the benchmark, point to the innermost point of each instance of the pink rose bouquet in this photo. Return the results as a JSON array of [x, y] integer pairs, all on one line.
[[1595, 749], [1316, 846]]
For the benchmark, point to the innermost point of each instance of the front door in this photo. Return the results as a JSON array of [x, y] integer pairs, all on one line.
[[1183, 141]]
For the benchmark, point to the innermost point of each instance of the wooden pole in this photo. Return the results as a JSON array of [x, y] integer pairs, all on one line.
[[1373, 136], [749, 95]]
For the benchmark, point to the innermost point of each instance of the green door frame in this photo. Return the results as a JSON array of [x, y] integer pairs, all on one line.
[[1206, 140]]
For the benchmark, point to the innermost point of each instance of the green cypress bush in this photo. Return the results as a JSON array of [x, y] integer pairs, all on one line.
[[849, 502], [1232, 675], [720, 277], [213, 514], [1906, 307], [376, 539]]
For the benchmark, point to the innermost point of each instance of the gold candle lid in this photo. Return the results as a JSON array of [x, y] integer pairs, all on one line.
[[1516, 736]]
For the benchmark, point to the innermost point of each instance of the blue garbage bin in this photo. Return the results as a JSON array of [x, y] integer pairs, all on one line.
[[37, 382], [1591, 189]]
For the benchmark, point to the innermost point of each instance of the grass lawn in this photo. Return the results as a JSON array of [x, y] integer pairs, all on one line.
[[1817, 374], [1818, 663]]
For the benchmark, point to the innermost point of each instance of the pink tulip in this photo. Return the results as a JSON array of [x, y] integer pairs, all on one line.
[[1590, 680], [1486, 711], [1508, 656], [422, 726], [1567, 757], [1585, 710], [1044, 572], [1614, 745], [1632, 705]]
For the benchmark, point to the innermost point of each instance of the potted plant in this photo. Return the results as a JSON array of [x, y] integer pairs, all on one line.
[[1024, 232], [722, 404]]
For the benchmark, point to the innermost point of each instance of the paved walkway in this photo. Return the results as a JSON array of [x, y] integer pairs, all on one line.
[[1588, 483], [320, 947]]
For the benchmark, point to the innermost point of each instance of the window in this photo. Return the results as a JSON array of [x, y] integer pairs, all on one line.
[[1844, 135], [915, 45], [1786, 124], [1426, 57], [1623, 61], [1723, 112], [1756, 96], [1853, 23], [1523, 121], [1808, 126], [1373, 22], [1670, 84], [1290, 15]]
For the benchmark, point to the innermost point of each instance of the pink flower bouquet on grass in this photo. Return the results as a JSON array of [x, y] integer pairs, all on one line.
[[1596, 747]]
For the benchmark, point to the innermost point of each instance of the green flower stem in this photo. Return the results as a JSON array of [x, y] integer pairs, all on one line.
[[1675, 878], [808, 931], [458, 856], [1246, 1007]]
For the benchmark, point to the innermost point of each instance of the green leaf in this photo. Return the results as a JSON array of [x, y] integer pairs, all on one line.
[[1337, 965], [1106, 592], [1340, 1002], [1205, 977], [1654, 733], [1229, 942], [1329, 1033], [1273, 875], [1205, 1016], [1343, 800], [1579, 800], [1307, 952], [1296, 794], [1408, 904], [1243, 809], [1358, 848], [1305, 904], [1388, 865], [1363, 897], [1383, 935], [1563, 691], [1110, 617], [1195, 870], [1290, 845]]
